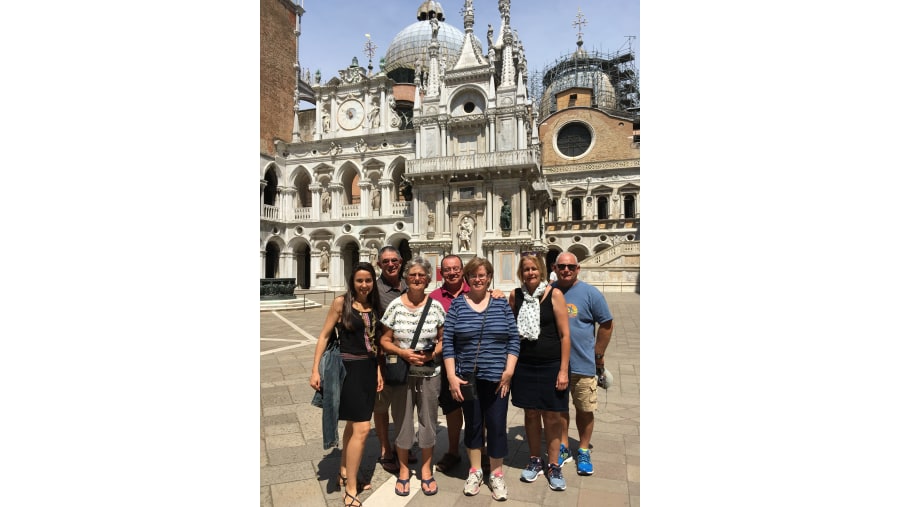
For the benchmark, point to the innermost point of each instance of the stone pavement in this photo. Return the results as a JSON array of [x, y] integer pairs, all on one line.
[[296, 471]]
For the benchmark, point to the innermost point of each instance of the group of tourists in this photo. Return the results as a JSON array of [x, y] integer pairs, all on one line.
[[469, 351]]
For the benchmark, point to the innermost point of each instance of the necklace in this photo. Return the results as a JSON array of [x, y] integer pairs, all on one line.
[[369, 330]]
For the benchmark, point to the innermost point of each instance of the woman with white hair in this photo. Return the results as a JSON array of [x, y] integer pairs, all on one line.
[[413, 332]]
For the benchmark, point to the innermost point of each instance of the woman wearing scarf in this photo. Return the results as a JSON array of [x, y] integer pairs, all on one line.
[[540, 384]]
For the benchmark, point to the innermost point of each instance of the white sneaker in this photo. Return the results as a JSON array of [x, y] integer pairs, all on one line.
[[473, 482], [498, 488]]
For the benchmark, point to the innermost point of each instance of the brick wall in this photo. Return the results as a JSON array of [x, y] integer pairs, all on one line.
[[613, 141], [277, 78], [565, 100]]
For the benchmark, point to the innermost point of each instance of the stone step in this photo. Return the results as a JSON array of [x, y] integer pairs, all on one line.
[[299, 303]]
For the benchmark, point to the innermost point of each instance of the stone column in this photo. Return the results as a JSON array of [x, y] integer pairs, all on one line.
[[262, 263], [637, 205], [523, 210], [387, 197], [489, 212], [286, 264], [316, 191], [365, 200]]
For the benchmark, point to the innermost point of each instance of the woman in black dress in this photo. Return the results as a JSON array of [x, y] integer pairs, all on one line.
[[355, 317], [540, 384]]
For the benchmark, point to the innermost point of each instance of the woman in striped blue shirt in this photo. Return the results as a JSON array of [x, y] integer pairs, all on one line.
[[481, 335]]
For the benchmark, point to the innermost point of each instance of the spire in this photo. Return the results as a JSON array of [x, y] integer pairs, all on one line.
[[579, 23], [434, 69], [469, 16]]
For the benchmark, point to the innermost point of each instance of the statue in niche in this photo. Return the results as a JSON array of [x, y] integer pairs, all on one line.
[[375, 116], [324, 260], [431, 222], [406, 189], [326, 201], [376, 200], [326, 122], [465, 234], [506, 216]]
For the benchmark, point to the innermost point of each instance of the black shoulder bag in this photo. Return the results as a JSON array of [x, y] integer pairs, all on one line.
[[395, 368]]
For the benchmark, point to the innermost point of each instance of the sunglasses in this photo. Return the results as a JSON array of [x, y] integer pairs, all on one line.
[[570, 267], [390, 261]]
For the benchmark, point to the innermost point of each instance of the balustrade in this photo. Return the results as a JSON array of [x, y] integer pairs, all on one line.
[[349, 210], [303, 214], [269, 212], [402, 209]]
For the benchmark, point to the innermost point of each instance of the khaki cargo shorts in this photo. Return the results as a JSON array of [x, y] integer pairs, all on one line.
[[584, 392]]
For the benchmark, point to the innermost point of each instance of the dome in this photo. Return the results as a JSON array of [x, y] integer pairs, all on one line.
[[580, 70], [412, 42]]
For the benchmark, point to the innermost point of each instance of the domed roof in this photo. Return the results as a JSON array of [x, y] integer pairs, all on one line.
[[580, 70], [412, 42]]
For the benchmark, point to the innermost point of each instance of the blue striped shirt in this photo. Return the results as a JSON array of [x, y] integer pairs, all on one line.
[[462, 327]]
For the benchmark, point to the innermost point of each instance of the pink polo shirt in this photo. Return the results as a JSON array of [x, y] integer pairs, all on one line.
[[444, 297]]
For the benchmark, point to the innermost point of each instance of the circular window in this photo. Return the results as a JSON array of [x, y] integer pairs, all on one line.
[[299, 230], [573, 139], [552, 239], [398, 226], [468, 107], [603, 237], [630, 237], [347, 228], [577, 239]]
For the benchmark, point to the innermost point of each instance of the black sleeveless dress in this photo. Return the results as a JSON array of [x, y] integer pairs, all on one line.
[[533, 384], [359, 387]]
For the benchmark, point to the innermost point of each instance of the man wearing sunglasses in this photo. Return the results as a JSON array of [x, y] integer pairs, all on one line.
[[390, 287], [588, 311]]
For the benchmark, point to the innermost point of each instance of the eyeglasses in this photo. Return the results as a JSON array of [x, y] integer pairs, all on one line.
[[451, 270], [390, 261], [417, 275], [478, 277], [570, 267]]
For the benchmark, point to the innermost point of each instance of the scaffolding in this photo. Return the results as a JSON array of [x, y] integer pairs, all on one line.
[[618, 92]]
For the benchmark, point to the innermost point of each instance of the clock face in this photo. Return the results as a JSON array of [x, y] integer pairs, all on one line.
[[350, 114]]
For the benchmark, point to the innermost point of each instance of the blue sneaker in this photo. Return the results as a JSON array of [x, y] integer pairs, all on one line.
[[554, 474], [585, 467], [565, 455], [533, 470]]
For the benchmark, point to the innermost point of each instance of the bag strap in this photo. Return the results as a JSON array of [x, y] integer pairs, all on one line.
[[421, 323], [480, 335]]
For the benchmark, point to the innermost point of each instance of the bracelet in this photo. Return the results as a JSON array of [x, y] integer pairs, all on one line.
[[598, 356]]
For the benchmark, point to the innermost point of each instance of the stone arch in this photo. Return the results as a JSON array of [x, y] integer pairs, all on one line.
[[349, 175], [302, 261], [580, 251]]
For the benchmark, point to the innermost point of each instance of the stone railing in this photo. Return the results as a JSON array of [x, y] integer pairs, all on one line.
[[269, 212], [401, 209], [629, 248], [500, 159], [349, 210], [304, 214]]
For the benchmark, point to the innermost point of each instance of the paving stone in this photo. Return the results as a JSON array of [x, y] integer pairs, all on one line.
[[603, 484], [281, 429], [604, 498], [286, 440], [633, 473], [286, 418], [304, 493], [289, 472]]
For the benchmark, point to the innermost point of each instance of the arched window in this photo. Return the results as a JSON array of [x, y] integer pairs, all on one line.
[[602, 208], [271, 188], [629, 206], [576, 208]]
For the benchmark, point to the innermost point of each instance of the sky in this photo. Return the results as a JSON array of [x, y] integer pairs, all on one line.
[[333, 32]]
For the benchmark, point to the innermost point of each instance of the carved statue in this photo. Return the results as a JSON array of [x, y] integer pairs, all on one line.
[[465, 234], [506, 216], [375, 116], [326, 201], [325, 259], [376, 200], [326, 122], [434, 28], [406, 188]]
